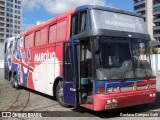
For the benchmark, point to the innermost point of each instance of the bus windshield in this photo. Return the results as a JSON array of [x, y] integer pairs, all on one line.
[[118, 58], [116, 21]]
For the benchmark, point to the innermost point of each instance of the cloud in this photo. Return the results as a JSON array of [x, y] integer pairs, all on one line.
[[27, 26], [32, 4], [60, 6]]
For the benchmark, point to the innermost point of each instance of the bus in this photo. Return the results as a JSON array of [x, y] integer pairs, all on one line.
[[92, 56]]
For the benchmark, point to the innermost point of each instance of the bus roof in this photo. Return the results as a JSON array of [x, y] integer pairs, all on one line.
[[80, 8]]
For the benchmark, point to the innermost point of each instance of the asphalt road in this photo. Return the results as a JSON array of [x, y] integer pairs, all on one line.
[[28, 100]]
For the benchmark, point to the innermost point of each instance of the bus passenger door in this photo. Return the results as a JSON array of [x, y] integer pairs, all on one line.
[[70, 72]]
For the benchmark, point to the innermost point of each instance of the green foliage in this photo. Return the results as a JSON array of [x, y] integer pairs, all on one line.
[[154, 50]]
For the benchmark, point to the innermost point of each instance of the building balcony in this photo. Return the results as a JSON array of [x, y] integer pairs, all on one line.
[[156, 5], [2, 20], [1, 32], [156, 35], [139, 10], [2, 11], [1, 5], [2, 16], [156, 13], [156, 28], [156, 20], [139, 3], [1, 37], [144, 16]]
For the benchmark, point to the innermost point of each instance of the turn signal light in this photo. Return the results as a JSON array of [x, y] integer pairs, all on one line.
[[101, 90]]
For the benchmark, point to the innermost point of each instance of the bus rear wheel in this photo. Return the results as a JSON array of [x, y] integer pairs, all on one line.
[[59, 96]]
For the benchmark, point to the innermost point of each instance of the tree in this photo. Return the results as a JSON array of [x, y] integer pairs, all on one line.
[[154, 50]]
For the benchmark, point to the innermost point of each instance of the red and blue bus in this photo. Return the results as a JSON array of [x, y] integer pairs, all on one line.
[[91, 56]]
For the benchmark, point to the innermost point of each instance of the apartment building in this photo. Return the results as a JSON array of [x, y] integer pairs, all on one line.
[[150, 10], [13, 17], [2, 20]]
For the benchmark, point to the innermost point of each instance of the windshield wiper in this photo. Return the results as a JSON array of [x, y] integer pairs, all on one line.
[[124, 78], [142, 67]]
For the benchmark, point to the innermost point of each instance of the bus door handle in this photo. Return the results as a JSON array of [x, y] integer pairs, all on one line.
[[72, 89]]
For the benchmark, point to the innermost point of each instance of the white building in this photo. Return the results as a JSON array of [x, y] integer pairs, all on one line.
[[150, 10]]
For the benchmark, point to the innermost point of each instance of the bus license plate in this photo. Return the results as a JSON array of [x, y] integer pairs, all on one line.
[[110, 106]]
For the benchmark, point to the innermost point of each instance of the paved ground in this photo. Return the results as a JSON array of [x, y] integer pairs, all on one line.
[[27, 100]]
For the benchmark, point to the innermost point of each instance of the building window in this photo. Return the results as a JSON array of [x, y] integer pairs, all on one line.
[[7, 25]]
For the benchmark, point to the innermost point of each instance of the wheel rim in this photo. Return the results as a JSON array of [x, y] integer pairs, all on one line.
[[15, 84], [60, 94]]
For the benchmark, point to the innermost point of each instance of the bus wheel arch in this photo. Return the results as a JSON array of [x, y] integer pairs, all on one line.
[[56, 91], [14, 81], [57, 80]]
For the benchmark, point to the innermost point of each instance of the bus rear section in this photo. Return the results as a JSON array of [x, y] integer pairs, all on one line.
[[9, 51]]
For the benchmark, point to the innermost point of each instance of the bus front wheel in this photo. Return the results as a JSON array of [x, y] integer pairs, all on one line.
[[59, 96]]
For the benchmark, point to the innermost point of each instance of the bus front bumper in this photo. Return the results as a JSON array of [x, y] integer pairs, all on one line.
[[124, 99]]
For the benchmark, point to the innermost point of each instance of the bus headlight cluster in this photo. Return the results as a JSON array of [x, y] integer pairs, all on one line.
[[111, 101], [152, 95]]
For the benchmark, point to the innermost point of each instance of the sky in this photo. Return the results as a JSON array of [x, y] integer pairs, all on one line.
[[43, 10]]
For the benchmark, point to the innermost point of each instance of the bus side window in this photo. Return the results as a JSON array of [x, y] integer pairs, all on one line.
[[52, 34], [10, 47], [83, 21], [79, 23], [15, 45], [26, 43], [74, 25], [5, 49]]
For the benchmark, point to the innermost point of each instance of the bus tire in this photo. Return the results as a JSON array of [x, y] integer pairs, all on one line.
[[59, 96], [14, 82]]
